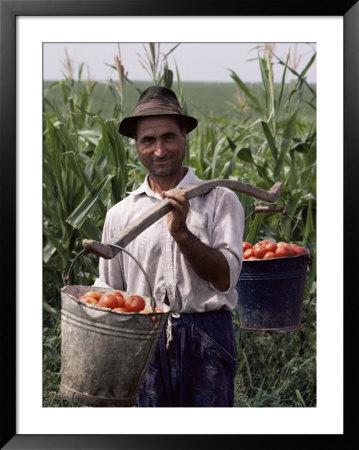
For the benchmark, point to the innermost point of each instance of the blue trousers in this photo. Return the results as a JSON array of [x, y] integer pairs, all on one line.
[[199, 366]]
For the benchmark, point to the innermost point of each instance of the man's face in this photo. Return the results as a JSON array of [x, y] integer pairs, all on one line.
[[161, 145]]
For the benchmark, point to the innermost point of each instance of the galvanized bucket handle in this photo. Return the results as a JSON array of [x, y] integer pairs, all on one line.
[[153, 301], [66, 276], [282, 210]]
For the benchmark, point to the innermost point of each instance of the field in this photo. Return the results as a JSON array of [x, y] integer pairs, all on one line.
[[204, 99], [259, 134]]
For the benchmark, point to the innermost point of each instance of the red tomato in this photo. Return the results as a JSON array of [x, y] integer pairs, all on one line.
[[271, 247], [263, 242], [300, 250], [259, 251], [248, 253], [246, 246], [108, 301], [135, 303], [120, 310], [291, 250], [91, 300], [253, 257], [93, 294], [282, 250], [269, 255], [120, 299], [87, 299]]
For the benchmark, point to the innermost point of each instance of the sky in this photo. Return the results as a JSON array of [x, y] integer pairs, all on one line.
[[195, 61]]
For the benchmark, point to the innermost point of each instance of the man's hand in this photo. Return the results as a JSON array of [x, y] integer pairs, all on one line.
[[176, 219], [209, 263]]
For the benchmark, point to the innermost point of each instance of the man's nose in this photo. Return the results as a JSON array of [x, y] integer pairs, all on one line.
[[160, 149]]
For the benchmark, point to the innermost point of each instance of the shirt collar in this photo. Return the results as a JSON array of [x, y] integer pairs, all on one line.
[[187, 180]]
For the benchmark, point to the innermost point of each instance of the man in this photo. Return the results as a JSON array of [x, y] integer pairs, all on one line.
[[193, 258]]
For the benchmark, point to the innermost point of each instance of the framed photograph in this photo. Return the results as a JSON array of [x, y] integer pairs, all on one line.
[[24, 28]]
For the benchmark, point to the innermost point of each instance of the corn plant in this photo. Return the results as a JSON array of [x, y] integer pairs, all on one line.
[[85, 172], [282, 147], [88, 167]]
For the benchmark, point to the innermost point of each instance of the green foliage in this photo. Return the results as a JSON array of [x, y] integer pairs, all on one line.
[[259, 134]]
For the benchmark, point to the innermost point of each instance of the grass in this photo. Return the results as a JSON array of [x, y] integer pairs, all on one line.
[[277, 370]]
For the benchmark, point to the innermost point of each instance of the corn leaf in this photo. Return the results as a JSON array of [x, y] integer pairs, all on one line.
[[77, 218], [270, 140], [217, 149], [254, 228], [91, 231], [256, 105], [288, 133]]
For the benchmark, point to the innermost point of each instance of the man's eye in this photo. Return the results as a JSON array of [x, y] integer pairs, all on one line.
[[146, 141]]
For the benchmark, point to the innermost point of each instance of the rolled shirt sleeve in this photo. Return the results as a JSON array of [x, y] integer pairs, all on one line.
[[228, 228]]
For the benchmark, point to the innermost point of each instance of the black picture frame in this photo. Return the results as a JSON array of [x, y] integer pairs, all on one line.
[[9, 10]]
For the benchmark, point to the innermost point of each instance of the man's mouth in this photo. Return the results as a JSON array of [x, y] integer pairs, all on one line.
[[161, 161]]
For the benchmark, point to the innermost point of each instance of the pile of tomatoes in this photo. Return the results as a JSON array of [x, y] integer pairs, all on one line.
[[267, 250], [117, 302]]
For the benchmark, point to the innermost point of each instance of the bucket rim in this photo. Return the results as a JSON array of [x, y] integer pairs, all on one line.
[[304, 256]]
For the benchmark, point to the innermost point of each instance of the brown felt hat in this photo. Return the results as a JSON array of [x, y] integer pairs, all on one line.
[[156, 101]]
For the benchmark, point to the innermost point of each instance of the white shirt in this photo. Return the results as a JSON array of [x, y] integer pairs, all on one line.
[[216, 218]]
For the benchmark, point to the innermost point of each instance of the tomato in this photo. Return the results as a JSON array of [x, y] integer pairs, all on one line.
[[246, 246], [120, 298], [87, 299], [108, 301], [93, 294], [93, 301], [269, 255], [271, 247], [291, 250], [150, 311], [121, 310], [248, 253], [135, 303], [300, 250], [265, 249], [259, 251], [282, 250], [253, 257]]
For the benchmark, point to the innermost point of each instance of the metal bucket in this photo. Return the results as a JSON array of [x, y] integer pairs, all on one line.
[[270, 294], [104, 354]]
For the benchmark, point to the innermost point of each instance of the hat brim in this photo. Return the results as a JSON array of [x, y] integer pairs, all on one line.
[[128, 125]]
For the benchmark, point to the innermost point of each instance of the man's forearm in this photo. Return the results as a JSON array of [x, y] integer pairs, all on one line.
[[209, 263]]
